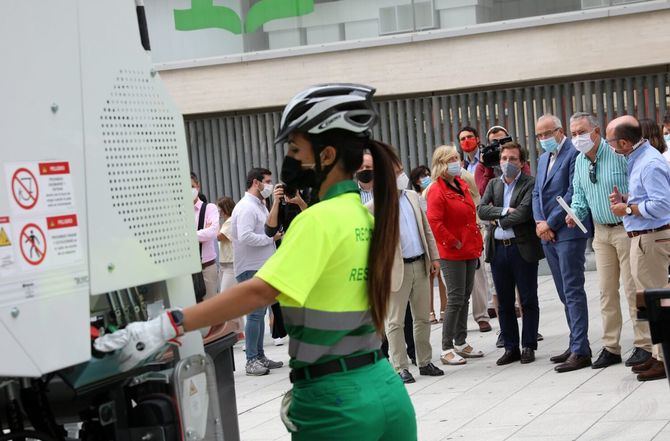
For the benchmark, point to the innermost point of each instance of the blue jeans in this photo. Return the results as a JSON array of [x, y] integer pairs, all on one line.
[[254, 329], [566, 260]]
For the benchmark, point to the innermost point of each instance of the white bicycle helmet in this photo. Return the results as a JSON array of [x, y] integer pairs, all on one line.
[[326, 107]]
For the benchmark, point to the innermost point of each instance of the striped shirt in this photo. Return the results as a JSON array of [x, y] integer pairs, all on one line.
[[610, 170]]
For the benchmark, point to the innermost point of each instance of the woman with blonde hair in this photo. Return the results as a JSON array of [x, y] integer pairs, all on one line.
[[452, 217]]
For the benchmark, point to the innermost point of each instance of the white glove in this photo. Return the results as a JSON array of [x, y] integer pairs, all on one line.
[[139, 340]]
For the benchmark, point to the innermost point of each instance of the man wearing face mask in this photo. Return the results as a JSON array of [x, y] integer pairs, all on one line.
[[513, 250], [207, 237], [468, 139], [564, 247], [416, 258], [597, 171], [646, 217], [251, 249], [365, 178]]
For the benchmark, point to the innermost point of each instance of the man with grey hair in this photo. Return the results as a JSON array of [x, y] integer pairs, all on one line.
[[564, 247], [597, 171]]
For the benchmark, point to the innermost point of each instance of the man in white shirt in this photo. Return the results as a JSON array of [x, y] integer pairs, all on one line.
[[365, 178], [251, 248]]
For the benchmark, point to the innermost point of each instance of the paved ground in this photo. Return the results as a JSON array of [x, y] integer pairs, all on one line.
[[481, 401]]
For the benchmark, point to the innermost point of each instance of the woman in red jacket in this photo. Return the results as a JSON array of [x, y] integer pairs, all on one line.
[[451, 214]]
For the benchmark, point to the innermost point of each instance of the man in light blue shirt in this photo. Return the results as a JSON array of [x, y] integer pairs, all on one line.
[[597, 171], [646, 216]]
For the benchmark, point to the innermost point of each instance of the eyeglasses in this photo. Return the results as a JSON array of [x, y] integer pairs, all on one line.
[[592, 173], [546, 134]]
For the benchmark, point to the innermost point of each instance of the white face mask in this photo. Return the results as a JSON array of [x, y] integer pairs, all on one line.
[[402, 181], [454, 168], [583, 142], [267, 190], [194, 194]]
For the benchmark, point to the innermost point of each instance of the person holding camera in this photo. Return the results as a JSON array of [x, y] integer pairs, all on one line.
[[287, 203], [486, 169]]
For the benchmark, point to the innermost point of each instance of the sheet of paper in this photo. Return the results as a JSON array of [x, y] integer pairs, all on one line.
[[568, 210]]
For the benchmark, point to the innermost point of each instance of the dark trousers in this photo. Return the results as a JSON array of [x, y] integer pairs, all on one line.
[[511, 271], [409, 336], [278, 329], [566, 260], [460, 278]]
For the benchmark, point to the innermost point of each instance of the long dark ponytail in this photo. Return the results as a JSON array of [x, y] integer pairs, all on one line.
[[350, 147], [386, 232]]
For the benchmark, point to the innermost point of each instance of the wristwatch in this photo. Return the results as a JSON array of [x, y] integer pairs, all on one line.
[[177, 318], [629, 210]]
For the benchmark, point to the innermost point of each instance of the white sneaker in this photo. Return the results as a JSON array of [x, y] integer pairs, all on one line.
[[280, 341]]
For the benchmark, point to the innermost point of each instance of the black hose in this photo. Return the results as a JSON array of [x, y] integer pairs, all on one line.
[[26, 434]]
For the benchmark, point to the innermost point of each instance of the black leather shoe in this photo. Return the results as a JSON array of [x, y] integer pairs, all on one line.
[[573, 363], [406, 376], [413, 361], [606, 358], [510, 356], [638, 357], [500, 343], [431, 370], [561, 358], [540, 337], [527, 355], [492, 313]]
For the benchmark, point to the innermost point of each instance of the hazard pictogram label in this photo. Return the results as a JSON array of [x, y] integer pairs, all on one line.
[[25, 188], [4, 238], [37, 188], [33, 244]]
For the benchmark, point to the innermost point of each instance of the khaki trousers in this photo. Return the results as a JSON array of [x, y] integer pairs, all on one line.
[[649, 259], [480, 295], [415, 289], [612, 248], [211, 276]]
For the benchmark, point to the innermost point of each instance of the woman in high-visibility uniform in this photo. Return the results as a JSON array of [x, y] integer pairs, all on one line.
[[331, 276]]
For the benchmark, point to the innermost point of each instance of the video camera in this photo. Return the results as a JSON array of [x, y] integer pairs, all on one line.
[[491, 152]]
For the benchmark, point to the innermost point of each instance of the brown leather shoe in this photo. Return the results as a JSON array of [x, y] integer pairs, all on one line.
[[655, 372], [638, 369], [561, 358], [484, 326], [492, 313], [573, 363]]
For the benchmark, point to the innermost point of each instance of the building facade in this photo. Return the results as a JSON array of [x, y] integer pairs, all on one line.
[[437, 65]]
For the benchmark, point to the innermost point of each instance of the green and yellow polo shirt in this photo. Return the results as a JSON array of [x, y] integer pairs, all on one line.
[[321, 272]]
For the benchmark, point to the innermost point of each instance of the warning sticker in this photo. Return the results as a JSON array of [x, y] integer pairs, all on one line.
[[7, 258], [39, 187], [48, 242]]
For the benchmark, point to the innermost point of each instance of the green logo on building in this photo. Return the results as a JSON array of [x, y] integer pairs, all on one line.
[[205, 15]]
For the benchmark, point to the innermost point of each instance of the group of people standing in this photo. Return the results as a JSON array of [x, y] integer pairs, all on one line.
[[616, 184]]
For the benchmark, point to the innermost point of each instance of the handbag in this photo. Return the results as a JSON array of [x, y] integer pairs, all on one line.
[[199, 287]]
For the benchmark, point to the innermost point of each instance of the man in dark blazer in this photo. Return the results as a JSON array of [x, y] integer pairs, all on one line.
[[513, 250], [564, 247]]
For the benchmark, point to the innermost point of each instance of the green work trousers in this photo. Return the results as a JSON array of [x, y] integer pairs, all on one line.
[[365, 404]]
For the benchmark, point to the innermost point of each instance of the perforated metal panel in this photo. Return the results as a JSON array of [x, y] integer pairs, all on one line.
[[142, 158]]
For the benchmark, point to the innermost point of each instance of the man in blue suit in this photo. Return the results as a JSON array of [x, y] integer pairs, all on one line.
[[564, 247]]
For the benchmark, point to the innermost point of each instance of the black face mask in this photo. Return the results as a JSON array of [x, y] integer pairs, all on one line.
[[365, 176], [295, 177]]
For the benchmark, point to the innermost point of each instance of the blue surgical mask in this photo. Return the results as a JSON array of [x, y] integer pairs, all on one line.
[[549, 145], [667, 139], [454, 168], [425, 182]]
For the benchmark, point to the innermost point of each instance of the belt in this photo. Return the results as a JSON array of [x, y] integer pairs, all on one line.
[[210, 263], [506, 242], [413, 259], [334, 366], [653, 230], [612, 225]]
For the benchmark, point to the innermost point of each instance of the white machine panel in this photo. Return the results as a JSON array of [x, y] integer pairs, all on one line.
[[141, 221], [43, 270]]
